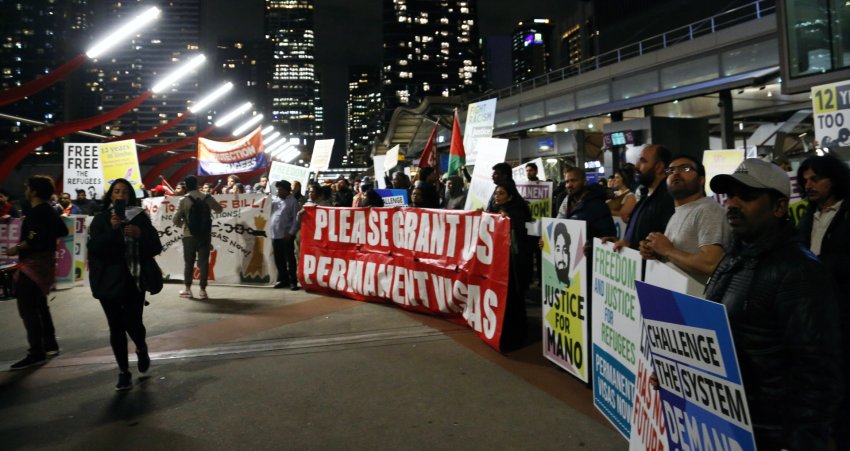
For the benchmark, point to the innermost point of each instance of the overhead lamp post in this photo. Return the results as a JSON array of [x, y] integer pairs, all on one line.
[[212, 97], [27, 89], [269, 140], [247, 124], [268, 130], [229, 117], [124, 30], [178, 73]]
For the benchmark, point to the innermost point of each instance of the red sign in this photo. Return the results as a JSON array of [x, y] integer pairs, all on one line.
[[443, 262]]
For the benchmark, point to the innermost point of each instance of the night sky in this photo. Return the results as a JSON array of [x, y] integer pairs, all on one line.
[[348, 32]]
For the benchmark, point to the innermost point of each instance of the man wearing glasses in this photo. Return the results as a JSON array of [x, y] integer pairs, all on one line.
[[698, 232]]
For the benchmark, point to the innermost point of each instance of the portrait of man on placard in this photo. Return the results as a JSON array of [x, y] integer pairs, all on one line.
[[561, 253]]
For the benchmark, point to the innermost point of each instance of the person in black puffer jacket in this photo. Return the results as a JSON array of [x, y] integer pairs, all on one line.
[[782, 312]]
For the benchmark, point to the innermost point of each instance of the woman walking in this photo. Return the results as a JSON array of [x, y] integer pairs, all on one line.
[[121, 237]]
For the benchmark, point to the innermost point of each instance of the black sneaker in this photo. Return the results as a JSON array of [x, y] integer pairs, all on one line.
[[28, 362], [52, 351], [279, 285], [294, 287], [125, 381], [144, 360]]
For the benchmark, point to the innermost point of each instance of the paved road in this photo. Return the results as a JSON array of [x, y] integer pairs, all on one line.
[[258, 368]]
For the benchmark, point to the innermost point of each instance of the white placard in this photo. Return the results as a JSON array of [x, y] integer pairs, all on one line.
[[391, 158], [322, 151], [81, 169], [479, 124], [493, 151]]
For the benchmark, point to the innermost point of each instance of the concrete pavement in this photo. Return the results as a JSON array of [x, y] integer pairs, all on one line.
[[258, 368]]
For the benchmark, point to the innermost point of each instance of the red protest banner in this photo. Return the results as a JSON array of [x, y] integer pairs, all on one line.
[[448, 263]]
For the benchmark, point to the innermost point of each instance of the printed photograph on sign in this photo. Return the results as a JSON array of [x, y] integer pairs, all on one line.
[[565, 306]]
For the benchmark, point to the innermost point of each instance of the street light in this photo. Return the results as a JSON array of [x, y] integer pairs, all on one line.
[[247, 124], [178, 73], [227, 118], [267, 141], [268, 130], [272, 150], [123, 31], [212, 97], [290, 155]]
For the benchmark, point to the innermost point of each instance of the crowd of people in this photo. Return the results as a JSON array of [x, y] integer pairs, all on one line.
[[784, 285]]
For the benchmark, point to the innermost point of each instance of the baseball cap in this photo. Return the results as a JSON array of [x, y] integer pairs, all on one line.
[[754, 173]]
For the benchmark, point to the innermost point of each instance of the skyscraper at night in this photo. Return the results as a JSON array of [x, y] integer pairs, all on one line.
[[294, 89], [431, 48], [37, 37], [136, 66], [363, 113], [242, 63], [531, 49]]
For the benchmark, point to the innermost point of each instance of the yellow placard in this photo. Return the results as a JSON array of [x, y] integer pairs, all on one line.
[[825, 99], [120, 160]]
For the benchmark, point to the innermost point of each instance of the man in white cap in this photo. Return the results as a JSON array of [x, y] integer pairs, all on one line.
[[782, 312]]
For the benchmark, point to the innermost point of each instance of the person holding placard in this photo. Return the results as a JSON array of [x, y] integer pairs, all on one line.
[[782, 312]]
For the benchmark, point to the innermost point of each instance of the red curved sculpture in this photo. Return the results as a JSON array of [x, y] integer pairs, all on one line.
[[27, 89]]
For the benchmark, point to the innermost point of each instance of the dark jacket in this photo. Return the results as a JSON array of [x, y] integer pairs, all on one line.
[[592, 209], [782, 313], [109, 276], [652, 214]]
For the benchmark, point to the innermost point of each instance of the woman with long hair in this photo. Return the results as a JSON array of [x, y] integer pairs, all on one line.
[[624, 200], [120, 238]]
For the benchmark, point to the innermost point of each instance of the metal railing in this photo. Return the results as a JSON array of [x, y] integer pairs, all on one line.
[[726, 19]]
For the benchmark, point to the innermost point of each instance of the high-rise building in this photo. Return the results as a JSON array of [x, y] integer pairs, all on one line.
[[431, 48], [531, 49], [294, 88], [37, 37], [243, 64], [363, 114], [134, 67]]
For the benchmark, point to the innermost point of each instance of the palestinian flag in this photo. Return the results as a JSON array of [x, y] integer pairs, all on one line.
[[457, 156]]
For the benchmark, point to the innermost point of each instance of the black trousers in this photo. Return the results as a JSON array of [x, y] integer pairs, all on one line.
[[124, 316], [284, 260], [32, 306]]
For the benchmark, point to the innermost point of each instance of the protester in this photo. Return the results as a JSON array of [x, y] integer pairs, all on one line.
[[455, 193], [318, 195], [237, 188], [68, 208], [369, 198], [343, 196], [623, 202], [515, 325], [282, 230], [87, 205], [825, 229], [121, 237], [401, 181], [180, 190], [7, 209], [417, 198], [37, 270], [263, 185], [502, 175], [296, 193], [697, 233], [427, 182], [194, 215], [232, 180], [782, 312], [531, 172], [207, 188], [54, 202], [560, 192], [586, 202], [654, 209]]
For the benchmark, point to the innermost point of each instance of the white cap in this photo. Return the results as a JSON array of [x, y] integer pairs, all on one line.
[[754, 173]]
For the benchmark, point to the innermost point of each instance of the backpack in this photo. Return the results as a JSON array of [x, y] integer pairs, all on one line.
[[200, 217]]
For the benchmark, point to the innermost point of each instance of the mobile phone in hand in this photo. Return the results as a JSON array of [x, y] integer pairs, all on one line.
[[120, 208]]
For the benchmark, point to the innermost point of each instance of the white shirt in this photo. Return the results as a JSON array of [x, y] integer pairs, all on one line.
[[821, 222]]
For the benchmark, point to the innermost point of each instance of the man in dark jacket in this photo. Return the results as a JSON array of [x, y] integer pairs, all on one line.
[[656, 206], [782, 313], [586, 202], [825, 229]]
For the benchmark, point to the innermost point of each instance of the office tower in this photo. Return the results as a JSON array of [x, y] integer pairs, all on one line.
[[364, 111], [294, 88], [38, 36], [243, 63], [431, 48], [135, 66], [531, 49]]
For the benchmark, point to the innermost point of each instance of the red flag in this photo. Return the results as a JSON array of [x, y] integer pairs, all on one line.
[[457, 155], [429, 153]]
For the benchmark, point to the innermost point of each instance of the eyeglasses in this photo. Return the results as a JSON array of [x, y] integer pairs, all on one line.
[[679, 169]]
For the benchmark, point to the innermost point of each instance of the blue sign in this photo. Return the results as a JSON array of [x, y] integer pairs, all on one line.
[[393, 197], [694, 360]]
